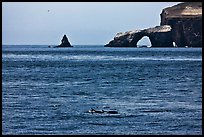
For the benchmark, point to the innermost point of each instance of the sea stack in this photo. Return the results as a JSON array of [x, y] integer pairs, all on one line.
[[64, 42]]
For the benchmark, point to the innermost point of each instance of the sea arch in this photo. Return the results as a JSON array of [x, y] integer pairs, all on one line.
[[144, 41], [140, 36], [157, 39]]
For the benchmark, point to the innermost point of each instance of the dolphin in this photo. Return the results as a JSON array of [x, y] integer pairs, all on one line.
[[103, 111]]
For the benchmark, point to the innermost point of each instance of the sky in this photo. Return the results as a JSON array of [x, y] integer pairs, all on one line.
[[84, 23]]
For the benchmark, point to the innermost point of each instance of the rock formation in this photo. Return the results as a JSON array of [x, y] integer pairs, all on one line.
[[181, 25], [159, 36], [64, 42], [186, 22]]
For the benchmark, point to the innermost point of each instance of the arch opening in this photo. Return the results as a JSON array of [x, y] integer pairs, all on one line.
[[144, 42]]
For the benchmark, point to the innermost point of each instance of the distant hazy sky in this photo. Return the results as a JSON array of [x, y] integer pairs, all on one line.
[[39, 23]]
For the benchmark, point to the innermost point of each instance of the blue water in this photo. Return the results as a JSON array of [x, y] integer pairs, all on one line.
[[50, 90]]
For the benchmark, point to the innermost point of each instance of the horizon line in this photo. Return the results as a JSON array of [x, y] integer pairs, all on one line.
[[50, 44]]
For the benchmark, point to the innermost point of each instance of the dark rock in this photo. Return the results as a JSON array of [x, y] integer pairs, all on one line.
[[160, 36], [186, 22], [64, 42]]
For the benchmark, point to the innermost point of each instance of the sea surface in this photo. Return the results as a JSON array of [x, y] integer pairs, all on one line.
[[156, 91]]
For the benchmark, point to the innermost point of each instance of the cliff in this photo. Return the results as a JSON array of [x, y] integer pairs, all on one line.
[[180, 25], [186, 22]]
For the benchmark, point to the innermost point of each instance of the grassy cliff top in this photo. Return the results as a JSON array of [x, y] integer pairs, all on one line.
[[184, 9]]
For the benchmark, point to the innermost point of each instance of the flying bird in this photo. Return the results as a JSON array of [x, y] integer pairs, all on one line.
[[196, 34]]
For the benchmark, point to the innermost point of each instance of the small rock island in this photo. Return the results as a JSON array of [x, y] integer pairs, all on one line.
[[64, 43]]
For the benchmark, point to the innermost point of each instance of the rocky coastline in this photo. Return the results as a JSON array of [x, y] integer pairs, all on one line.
[[181, 26]]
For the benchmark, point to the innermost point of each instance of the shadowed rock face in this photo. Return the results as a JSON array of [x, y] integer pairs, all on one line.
[[186, 22], [180, 24], [160, 36], [64, 42]]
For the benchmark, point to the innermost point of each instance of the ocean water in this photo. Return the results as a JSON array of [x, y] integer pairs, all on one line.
[[156, 91]]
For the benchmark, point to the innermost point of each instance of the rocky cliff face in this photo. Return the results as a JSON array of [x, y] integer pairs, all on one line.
[[186, 22], [159, 36], [180, 24]]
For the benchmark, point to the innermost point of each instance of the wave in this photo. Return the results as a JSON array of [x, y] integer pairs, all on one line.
[[51, 57]]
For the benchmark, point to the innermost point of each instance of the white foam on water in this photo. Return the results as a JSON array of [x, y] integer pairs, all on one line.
[[93, 58]]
